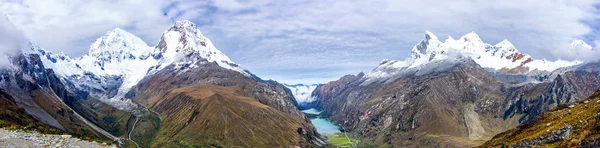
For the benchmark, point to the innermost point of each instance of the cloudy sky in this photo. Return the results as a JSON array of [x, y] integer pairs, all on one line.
[[313, 41]]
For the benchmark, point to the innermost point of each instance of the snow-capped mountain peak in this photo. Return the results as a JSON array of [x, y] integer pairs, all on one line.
[[118, 60], [504, 49], [505, 44], [471, 37], [183, 44], [118, 42], [502, 56], [580, 44], [430, 36], [185, 26]]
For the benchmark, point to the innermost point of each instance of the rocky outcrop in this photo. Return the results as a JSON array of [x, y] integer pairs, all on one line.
[[534, 99], [555, 136], [575, 124]]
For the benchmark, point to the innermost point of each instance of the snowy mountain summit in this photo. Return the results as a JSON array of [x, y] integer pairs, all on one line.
[[502, 57], [183, 44], [118, 60]]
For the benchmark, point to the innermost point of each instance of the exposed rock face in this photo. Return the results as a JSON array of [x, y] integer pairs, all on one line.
[[219, 102], [328, 91], [434, 109], [575, 124], [534, 99], [555, 136]]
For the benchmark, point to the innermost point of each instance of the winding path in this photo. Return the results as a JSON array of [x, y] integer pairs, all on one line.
[[133, 128]]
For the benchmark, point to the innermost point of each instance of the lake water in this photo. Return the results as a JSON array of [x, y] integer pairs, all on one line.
[[323, 125]]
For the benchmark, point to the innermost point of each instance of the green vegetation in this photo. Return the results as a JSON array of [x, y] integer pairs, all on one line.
[[145, 129], [341, 140], [111, 119]]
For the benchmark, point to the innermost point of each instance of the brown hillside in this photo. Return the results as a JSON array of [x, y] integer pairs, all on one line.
[[208, 115]]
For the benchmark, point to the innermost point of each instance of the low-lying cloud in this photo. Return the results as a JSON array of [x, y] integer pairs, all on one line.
[[10, 40]]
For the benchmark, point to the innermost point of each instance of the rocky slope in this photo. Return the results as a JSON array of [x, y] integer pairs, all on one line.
[[457, 107], [573, 124]]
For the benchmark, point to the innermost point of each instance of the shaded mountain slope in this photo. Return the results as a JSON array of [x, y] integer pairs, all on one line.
[[12, 116], [534, 99]]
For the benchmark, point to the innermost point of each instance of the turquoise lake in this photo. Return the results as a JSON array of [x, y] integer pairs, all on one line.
[[323, 125]]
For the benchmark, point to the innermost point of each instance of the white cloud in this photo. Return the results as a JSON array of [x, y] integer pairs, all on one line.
[[10, 40], [327, 37], [71, 25], [358, 34]]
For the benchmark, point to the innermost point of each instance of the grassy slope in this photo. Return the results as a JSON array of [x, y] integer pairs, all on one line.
[[111, 119], [145, 129], [583, 118], [341, 140]]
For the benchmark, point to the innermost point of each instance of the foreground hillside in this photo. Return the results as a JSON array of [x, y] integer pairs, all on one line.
[[34, 139], [575, 124]]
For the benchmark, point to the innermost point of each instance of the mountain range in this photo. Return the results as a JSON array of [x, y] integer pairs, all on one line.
[[456, 93], [123, 90]]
